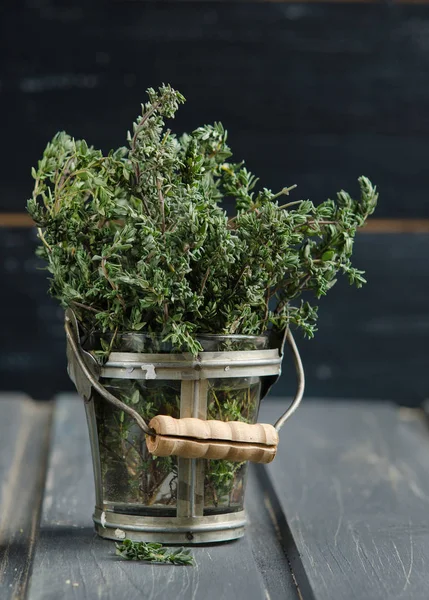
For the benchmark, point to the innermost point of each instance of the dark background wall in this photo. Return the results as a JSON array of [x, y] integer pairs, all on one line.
[[314, 94]]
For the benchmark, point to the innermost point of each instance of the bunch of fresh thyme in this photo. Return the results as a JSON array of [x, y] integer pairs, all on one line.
[[138, 239]]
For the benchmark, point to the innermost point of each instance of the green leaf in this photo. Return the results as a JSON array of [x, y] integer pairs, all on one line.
[[328, 255], [153, 552], [135, 398]]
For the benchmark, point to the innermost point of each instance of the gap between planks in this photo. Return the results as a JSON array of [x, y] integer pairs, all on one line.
[[17, 220]]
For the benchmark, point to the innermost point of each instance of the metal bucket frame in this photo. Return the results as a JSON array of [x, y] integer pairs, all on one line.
[[189, 525]]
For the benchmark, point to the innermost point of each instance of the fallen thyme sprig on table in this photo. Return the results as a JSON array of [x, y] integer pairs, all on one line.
[[155, 553]]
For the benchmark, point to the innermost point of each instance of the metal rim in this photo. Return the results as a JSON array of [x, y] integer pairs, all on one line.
[[72, 338], [171, 524]]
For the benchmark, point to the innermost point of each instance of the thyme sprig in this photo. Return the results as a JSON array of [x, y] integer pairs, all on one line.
[[154, 552]]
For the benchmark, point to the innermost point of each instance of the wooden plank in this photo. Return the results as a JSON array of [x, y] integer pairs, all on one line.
[[22, 220], [338, 104], [24, 443], [386, 226], [266, 541], [277, 1], [271, 1], [16, 219], [350, 490], [72, 562], [289, 1]]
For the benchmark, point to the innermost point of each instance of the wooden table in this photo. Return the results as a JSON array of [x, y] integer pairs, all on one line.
[[342, 513]]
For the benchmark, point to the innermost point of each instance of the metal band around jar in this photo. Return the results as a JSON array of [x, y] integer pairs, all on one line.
[[206, 366], [210, 365]]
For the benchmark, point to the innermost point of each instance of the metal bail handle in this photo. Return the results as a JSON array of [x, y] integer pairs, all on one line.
[[79, 363], [301, 382], [75, 347]]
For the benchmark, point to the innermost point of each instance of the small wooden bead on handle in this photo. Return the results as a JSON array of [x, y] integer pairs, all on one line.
[[227, 440]]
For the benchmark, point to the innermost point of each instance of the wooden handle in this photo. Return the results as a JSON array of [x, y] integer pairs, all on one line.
[[227, 440]]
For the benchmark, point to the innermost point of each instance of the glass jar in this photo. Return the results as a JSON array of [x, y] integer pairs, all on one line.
[[135, 482]]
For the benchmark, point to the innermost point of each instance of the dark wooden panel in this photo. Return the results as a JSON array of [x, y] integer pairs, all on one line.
[[24, 442], [31, 329], [266, 542], [350, 488], [313, 94], [70, 553], [371, 343]]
